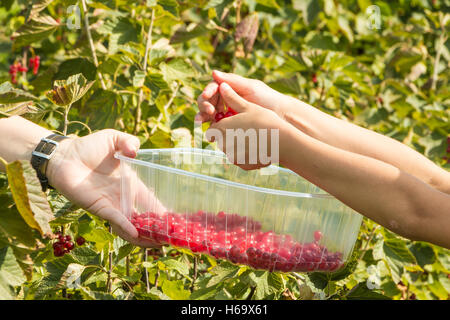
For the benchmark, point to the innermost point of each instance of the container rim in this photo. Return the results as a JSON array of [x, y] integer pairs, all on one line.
[[119, 156]]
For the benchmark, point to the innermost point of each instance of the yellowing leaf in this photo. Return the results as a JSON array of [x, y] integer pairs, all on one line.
[[30, 200], [66, 92]]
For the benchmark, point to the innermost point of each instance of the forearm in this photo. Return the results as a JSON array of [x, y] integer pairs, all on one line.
[[378, 190], [347, 136], [18, 138]]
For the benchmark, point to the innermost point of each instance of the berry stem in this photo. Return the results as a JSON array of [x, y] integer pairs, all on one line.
[[194, 277]]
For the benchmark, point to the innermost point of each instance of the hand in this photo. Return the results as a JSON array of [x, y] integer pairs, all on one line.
[[86, 172], [254, 91], [250, 121]]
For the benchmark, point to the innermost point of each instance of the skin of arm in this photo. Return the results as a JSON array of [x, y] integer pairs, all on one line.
[[378, 190], [83, 169], [323, 127]]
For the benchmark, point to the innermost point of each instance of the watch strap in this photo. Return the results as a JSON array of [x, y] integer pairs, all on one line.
[[42, 155]]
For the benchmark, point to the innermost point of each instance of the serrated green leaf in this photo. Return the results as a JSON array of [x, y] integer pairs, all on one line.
[[11, 95]]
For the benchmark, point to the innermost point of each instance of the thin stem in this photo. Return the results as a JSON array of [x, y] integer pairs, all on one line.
[[127, 261], [24, 62], [194, 277], [81, 123], [147, 283], [222, 18], [148, 46], [91, 42], [238, 11], [156, 279], [66, 118], [442, 40], [4, 162], [110, 257]]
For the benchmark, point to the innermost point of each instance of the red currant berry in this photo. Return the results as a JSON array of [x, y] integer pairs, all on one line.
[[69, 245], [317, 235], [219, 116]]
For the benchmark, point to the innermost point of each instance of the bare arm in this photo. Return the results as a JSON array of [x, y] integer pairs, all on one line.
[[378, 190], [18, 138], [350, 137]]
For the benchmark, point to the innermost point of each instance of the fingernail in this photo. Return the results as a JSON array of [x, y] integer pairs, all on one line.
[[225, 86], [219, 73]]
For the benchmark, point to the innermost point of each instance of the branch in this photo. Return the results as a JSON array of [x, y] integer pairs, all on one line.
[[91, 42], [166, 107], [148, 46], [442, 39]]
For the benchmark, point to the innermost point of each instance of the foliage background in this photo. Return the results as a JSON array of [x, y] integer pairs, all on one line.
[[393, 80]]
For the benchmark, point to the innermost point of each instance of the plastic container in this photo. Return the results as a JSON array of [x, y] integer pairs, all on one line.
[[269, 219]]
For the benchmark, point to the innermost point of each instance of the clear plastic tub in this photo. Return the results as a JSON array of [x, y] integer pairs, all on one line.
[[270, 219]]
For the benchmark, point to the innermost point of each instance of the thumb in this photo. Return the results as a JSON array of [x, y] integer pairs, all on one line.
[[232, 99], [126, 143]]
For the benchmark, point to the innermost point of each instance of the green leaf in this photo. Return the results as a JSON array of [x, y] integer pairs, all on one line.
[[72, 67], [183, 35], [170, 6], [423, 253], [175, 265], [361, 292], [125, 251], [138, 78], [175, 290], [310, 9], [225, 270], [10, 271], [37, 29], [13, 225], [38, 6], [10, 95], [205, 293], [84, 255], [395, 252], [260, 280], [30, 200], [268, 3], [177, 70]]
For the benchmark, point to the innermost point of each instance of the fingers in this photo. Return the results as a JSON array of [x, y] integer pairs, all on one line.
[[123, 225], [208, 100], [126, 143], [134, 240], [239, 84], [210, 90], [232, 99]]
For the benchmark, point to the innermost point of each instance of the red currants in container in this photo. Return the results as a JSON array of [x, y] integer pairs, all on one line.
[[238, 239]]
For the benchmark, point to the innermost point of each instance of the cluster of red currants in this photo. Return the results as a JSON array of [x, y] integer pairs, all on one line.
[[34, 63], [220, 115], [238, 239], [17, 67], [65, 244]]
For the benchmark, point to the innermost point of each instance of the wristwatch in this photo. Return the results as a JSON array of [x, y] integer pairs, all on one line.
[[42, 155]]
